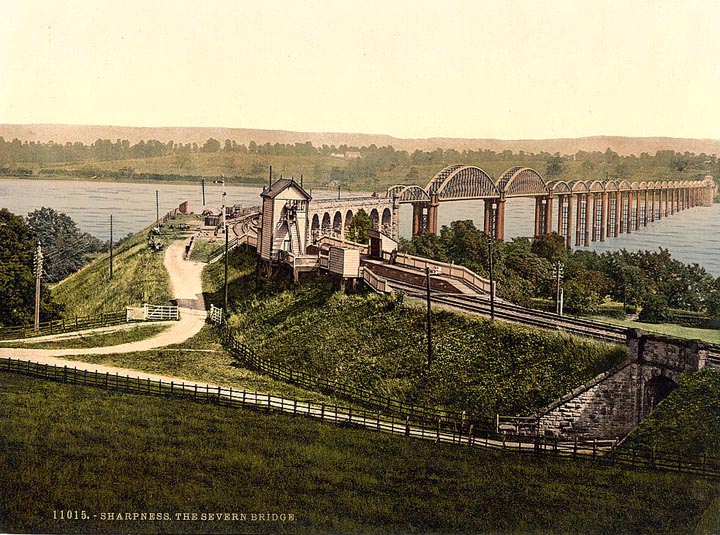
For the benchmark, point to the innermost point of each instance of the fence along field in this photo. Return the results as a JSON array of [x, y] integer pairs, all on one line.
[[596, 451]]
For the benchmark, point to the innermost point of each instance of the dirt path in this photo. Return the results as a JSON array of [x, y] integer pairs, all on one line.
[[186, 288]]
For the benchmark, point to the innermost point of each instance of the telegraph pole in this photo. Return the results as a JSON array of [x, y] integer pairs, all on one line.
[[429, 328], [226, 270], [202, 181], [157, 208], [38, 265], [111, 246], [490, 263], [559, 271]]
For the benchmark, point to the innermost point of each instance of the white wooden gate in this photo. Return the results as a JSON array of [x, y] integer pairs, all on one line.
[[152, 313]]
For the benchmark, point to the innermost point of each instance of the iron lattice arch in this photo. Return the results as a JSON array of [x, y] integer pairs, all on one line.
[[520, 181], [458, 182], [408, 193]]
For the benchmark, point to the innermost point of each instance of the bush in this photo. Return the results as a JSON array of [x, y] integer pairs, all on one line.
[[655, 309]]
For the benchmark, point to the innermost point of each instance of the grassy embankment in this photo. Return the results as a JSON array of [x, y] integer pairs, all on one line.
[[711, 336], [138, 277], [378, 343], [77, 448], [688, 420]]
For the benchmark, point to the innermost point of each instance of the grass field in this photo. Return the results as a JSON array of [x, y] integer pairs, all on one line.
[[678, 331], [75, 341], [81, 449]]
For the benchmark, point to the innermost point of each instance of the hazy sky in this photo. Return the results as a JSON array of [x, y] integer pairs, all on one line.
[[501, 69]]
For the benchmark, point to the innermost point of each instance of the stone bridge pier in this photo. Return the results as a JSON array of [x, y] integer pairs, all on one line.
[[613, 403]]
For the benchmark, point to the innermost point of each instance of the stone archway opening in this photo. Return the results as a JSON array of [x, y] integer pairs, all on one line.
[[348, 222], [386, 222], [657, 389], [337, 225], [326, 224], [315, 228], [375, 218]]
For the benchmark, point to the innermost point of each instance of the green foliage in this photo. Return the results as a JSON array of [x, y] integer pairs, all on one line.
[[655, 309], [360, 226], [555, 166], [524, 269], [17, 280], [376, 169], [687, 421], [65, 247], [73, 341]]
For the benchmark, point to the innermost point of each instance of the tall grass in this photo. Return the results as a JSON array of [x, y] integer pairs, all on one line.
[[139, 276], [69, 447], [378, 343], [687, 421]]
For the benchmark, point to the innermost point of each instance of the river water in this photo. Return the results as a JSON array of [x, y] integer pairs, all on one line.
[[691, 236]]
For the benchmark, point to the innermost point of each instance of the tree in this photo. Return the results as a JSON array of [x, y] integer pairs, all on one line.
[[549, 246], [655, 309], [65, 246], [555, 166], [359, 228], [211, 145], [17, 281]]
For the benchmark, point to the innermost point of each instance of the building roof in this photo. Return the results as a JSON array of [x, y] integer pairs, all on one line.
[[281, 185]]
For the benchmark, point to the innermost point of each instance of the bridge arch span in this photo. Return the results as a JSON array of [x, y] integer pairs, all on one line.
[[521, 181], [326, 224], [348, 221], [463, 182], [559, 187], [408, 193], [438, 179]]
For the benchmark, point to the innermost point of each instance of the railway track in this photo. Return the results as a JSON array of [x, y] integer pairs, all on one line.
[[525, 316], [534, 318]]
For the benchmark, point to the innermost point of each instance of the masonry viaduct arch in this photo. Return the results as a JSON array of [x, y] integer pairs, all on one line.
[[614, 402], [588, 210], [333, 217]]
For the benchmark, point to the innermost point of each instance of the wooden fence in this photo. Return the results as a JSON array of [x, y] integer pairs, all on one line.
[[594, 450], [450, 421], [64, 325]]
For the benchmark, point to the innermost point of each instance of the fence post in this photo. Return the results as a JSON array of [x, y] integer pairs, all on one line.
[[172, 388], [471, 437], [437, 434], [322, 411], [407, 426]]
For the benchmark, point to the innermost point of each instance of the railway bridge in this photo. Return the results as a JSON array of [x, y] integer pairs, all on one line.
[[586, 210]]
